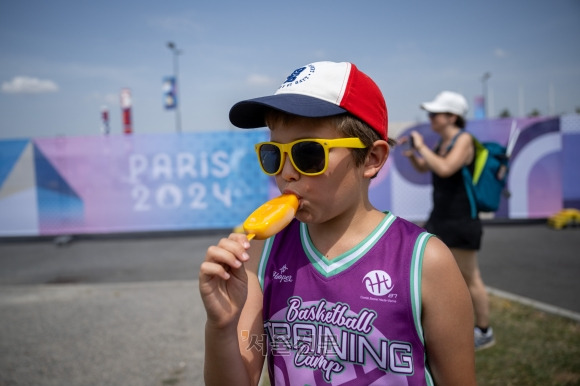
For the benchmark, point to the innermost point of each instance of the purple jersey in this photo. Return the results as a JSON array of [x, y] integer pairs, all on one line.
[[353, 320]]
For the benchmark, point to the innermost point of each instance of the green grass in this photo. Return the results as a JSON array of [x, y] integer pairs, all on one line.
[[533, 348]]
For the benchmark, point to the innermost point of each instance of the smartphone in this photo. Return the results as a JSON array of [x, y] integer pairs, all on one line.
[[411, 142]]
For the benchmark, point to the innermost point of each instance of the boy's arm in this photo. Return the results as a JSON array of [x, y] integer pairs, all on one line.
[[251, 336], [234, 352], [447, 318]]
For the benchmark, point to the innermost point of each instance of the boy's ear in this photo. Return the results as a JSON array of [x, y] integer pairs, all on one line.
[[376, 158]]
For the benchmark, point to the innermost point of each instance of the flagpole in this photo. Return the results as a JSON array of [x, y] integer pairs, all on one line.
[[484, 79]]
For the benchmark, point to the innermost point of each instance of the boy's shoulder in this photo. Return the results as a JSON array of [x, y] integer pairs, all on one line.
[[410, 225]]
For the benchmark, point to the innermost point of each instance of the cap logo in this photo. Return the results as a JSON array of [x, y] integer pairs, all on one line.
[[292, 77], [297, 76]]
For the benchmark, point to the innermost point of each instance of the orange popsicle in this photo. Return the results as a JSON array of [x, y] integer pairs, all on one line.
[[271, 217]]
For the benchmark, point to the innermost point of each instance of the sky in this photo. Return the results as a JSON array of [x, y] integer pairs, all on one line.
[[62, 61]]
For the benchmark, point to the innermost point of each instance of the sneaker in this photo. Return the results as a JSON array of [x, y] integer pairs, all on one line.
[[483, 340]]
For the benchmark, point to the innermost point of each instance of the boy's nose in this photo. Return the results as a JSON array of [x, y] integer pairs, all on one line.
[[288, 171]]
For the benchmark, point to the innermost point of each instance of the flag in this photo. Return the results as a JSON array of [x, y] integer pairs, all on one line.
[[105, 117], [479, 107], [169, 92], [126, 110]]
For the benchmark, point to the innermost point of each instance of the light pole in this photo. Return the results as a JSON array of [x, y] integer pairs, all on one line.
[[176, 53], [484, 79]]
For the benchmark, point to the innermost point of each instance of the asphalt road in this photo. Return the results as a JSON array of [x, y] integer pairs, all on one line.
[[126, 311]]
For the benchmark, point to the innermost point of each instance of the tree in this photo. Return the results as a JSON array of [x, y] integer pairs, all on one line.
[[505, 113], [534, 113]]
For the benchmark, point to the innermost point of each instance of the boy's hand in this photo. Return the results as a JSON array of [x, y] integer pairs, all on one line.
[[223, 282]]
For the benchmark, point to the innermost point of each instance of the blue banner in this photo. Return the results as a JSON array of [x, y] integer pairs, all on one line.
[[169, 92]]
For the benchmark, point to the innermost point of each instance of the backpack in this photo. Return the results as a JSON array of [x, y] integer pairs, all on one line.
[[486, 185]]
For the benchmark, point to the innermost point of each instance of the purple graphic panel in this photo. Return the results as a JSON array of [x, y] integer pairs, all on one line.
[[570, 160], [537, 149], [148, 182]]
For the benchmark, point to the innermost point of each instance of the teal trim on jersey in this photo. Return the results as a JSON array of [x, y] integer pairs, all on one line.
[[428, 376], [264, 260], [415, 280], [328, 268], [415, 284]]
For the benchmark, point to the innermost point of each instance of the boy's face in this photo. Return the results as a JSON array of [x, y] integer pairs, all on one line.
[[327, 195]]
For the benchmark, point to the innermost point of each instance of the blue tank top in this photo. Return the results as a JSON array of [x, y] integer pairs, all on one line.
[[353, 320]]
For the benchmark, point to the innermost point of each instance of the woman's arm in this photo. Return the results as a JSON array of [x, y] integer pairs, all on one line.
[[460, 155], [418, 164], [447, 317]]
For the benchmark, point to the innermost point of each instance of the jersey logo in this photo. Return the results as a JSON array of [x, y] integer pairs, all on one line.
[[281, 276], [378, 283]]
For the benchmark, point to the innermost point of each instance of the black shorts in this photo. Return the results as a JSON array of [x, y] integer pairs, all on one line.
[[457, 233]]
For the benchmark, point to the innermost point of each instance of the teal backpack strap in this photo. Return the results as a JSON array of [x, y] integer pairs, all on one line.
[[468, 180]]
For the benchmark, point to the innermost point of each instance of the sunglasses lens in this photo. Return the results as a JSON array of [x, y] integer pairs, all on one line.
[[270, 158], [308, 156]]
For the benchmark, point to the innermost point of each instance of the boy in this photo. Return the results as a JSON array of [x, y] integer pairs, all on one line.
[[345, 294]]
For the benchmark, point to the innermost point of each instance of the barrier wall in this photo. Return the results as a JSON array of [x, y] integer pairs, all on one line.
[[195, 181], [544, 174], [129, 183]]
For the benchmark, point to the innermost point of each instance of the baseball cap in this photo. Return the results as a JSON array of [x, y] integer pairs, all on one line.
[[447, 102], [320, 89]]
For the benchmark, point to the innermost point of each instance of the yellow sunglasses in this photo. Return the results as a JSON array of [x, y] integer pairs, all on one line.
[[308, 156]]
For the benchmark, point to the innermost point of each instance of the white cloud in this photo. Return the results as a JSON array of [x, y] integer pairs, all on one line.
[[110, 99], [499, 53], [260, 80], [183, 23], [28, 85]]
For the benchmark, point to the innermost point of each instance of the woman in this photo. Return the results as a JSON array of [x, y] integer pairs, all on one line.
[[450, 218]]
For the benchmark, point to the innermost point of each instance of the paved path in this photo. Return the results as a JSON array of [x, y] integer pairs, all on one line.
[[533, 261], [126, 311], [141, 333]]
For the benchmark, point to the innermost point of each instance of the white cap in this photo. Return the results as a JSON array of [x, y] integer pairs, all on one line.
[[447, 102]]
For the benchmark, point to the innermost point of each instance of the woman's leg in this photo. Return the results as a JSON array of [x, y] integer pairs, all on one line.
[[467, 262]]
